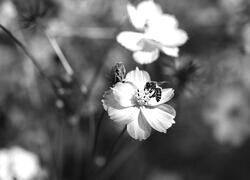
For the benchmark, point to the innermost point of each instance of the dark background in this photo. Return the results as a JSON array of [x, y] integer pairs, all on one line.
[[210, 140]]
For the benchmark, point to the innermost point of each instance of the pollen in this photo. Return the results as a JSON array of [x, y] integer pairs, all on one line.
[[142, 97]]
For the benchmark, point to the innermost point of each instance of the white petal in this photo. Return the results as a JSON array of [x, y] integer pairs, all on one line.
[[149, 9], [138, 78], [148, 54], [109, 100], [160, 118], [170, 51], [168, 37], [136, 20], [123, 116], [5, 163], [31, 168], [146, 57], [169, 109], [166, 95], [124, 94], [166, 21], [145, 10], [139, 128], [130, 40]]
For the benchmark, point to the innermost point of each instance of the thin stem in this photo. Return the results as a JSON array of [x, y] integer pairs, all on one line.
[[60, 149], [108, 171], [144, 67], [93, 81], [115, 144], [33, 60], [53, 161], [92, 136], [96, 133], [59, 53], [65, 63], [24, 49]]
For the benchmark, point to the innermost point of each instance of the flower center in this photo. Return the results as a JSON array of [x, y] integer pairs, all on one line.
[[142, 97]]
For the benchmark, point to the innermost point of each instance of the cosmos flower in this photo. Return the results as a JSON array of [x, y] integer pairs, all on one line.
[[17, 163], [229, 116], [157, 31], [131, 103]]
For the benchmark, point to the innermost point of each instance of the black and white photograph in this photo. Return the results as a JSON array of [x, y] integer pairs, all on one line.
[[124, 89]]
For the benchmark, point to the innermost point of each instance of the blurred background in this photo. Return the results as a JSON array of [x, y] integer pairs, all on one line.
[[210, 140]]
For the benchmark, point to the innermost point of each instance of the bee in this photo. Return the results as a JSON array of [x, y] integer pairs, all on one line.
[[154, 89], [118, 73]]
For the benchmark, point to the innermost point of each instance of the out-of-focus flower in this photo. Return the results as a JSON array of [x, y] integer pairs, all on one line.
[[139, 104], [35, 13], [4, 162], [159, 174], [183, 74], [232, 6], [207, 17], [229, 116], [17, 163], [158, 31], [246, 38], [145, 11], [235, 11], [7, 13]]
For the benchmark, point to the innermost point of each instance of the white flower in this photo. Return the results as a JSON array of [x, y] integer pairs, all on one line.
[[158, 31], [229, 116], [4, 165], [18, 163], [140, 15], [8, 13], [129, 103]]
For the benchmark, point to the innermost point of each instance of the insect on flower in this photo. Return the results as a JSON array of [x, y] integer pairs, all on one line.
[[118, 73], [139, 103], [157, 32], [154, 89]]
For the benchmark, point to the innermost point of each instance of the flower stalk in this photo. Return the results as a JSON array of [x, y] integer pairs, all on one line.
[[115, 144], [33, 60], [58, 51]]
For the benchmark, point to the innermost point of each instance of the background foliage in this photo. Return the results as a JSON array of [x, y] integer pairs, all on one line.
[[210, 139]]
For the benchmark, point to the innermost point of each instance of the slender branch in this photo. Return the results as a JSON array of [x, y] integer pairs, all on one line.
[[33, 60], [115, 145], [60, 150], [96, 133], [59, 53], [24, 49], [108, 171], [144, 67], [97, 75]]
